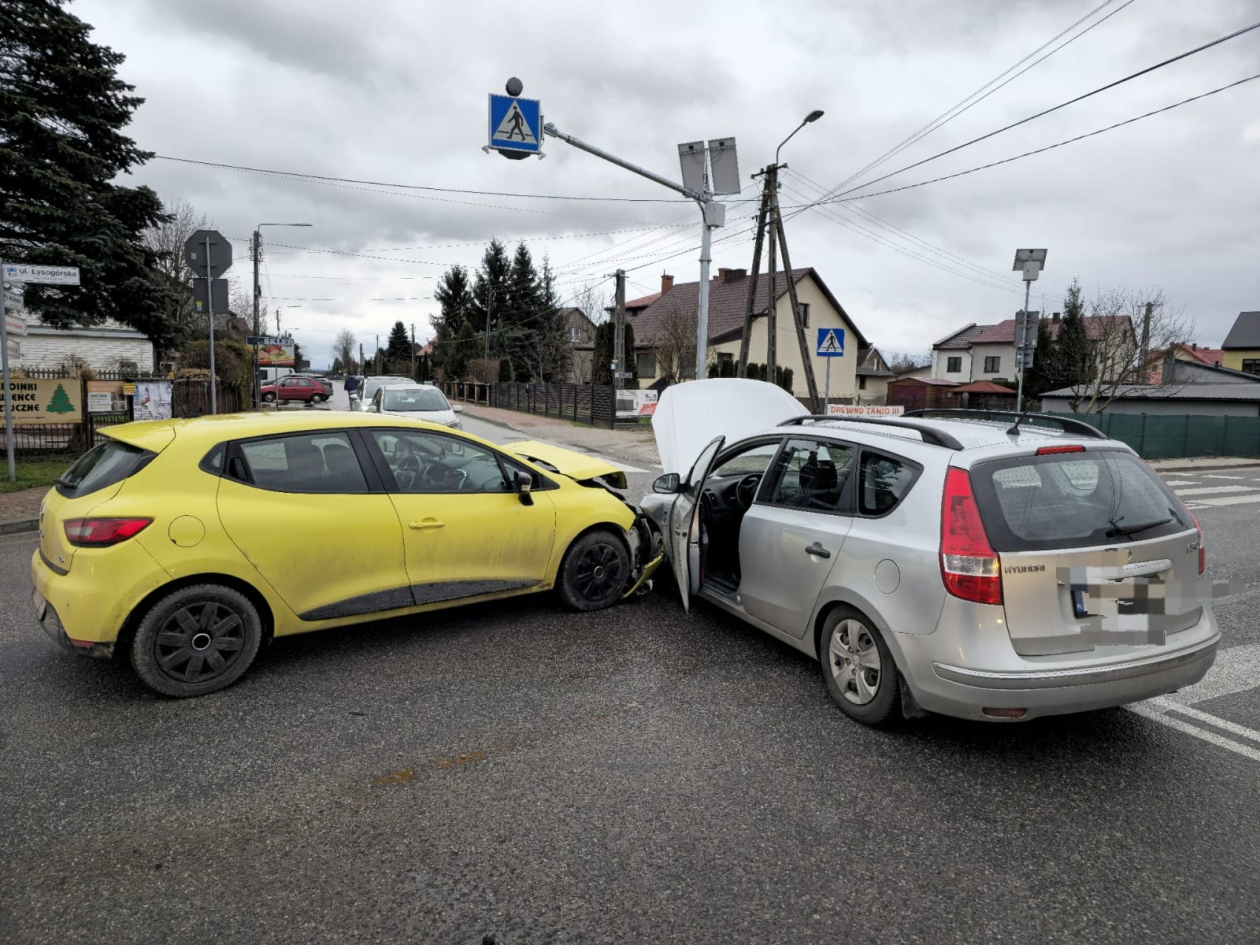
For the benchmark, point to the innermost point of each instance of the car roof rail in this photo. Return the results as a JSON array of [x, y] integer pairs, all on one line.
[[1066, 424], [931, 435]]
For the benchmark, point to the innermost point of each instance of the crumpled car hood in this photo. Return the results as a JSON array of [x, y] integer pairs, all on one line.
[[689, 415], [570, 463]]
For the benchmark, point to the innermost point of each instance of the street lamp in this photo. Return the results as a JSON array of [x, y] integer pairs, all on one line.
[[1030, 262], [810, 118], [257, 251]]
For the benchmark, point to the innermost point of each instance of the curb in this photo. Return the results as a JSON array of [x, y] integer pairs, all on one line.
[[1199, 467], [18, 526]]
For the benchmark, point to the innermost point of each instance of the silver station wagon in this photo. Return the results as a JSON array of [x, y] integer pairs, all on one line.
[[980, 565]]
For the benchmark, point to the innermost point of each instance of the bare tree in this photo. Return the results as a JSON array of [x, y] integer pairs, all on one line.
[[1111, 352], [899, 362], [674, 344], [166, 240], [346, 347], [593, 301]]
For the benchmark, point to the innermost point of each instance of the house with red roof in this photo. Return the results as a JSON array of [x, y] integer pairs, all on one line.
[[662, 320], [987, 352]]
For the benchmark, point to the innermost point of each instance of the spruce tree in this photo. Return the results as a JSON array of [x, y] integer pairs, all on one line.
[[454, 295], [491, 296], [1073, 352], [62, 114], [398, 350]]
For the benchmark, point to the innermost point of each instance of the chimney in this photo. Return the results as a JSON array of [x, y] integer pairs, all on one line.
[[1054, 317], [723, 275], [733, 275], [1168, 371], [667, 283], [1194, 346]]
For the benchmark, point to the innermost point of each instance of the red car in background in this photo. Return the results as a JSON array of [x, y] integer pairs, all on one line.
[[306, 389]]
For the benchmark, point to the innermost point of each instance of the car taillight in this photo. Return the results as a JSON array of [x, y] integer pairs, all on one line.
[[969, 565], [1199, 528], [99, 532]]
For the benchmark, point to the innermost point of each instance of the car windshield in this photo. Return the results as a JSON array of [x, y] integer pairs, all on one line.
[[415, 399]]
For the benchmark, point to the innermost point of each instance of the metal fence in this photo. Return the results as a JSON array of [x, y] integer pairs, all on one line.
[[189, 398], [1155, 436], [580, 403]]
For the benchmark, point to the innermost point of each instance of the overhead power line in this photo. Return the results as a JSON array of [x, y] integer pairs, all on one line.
[[1060, 106], [989, 88], [425, 187], [1050, 147]]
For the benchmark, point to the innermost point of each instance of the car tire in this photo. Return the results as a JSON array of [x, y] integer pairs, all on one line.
[[269, 398], [196, 640], [594, 571], [858, 668]]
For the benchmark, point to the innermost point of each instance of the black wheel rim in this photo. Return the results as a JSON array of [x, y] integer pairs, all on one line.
[[600, 572], [199, 642]]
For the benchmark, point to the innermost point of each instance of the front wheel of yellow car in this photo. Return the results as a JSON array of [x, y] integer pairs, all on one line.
[[196, 640], [594, 571]]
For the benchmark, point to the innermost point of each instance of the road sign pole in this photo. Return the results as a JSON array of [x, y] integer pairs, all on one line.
[[214, 383], [827, 389], [1021, 348], [257, 385], [4, 362]]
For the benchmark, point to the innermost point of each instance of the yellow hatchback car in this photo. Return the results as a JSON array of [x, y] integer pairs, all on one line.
[[187, 544]]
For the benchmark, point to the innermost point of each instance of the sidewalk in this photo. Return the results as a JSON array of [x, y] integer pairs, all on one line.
[[634, 446], [19, 511], [1202, 463]]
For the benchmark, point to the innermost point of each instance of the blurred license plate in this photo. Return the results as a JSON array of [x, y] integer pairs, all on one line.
[[1080, 603], [40, 605]]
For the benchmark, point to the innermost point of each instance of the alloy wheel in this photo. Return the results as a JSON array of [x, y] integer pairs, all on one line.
[[599, 572], [854, 662], [199, 642]]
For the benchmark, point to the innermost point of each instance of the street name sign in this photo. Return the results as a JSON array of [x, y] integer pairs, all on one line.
[[44, 275], [830, 343], [515, 124]]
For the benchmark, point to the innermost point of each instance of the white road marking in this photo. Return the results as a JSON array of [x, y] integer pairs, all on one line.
[[1215, 490], [1219, 476], [1181, 482], [1164, 717], [1196, 505], [1232, 499], [1237, 669]]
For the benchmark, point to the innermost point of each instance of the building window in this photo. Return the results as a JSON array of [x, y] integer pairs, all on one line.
[[725, 356], [575, 335], [992, 364], [804, 314], [646, 364], [1251, 365], [953, 365], [862, 382]]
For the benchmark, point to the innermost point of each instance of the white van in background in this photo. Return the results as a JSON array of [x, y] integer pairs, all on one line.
[[269, 375]]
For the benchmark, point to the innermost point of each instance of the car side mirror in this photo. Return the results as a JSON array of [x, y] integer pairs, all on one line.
[[458, 408], [668, 484], [523, 484]]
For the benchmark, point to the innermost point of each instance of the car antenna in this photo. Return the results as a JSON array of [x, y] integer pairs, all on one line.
[[1014, 430]]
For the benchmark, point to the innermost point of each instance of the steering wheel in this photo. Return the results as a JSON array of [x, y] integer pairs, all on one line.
[[407, 472], [445, 478], [746, 490]]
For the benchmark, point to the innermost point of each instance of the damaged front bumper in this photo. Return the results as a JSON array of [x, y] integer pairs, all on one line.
[[647, 551]]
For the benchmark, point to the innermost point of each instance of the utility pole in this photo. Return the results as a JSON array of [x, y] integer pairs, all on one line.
[[1146, 334], [619, 329], [413, 351], [489, 309], [752, 284], [772, 316], [362, 362], [377, 359], [255, 251]]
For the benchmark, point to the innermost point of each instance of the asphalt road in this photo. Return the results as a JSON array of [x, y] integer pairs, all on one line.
[[632, 776]]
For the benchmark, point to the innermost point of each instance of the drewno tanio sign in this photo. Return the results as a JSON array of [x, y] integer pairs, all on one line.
[[45, 401]]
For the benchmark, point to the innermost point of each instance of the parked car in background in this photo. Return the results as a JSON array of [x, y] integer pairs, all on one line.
[[369, 385], [418, 401], [295, 387], [187, 544], [957, 562], [324, 382]]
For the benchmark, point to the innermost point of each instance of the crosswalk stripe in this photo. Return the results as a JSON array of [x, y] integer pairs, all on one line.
[[1232, 500], [1215, 490], [1181, 482]]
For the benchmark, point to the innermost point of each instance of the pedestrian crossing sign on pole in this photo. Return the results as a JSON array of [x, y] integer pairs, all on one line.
[[515, 124], [830, 343]]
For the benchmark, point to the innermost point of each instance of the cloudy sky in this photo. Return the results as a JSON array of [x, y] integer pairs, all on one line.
[[395, 91]]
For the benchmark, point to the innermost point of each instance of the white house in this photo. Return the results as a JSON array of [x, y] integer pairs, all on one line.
[[110, 346]]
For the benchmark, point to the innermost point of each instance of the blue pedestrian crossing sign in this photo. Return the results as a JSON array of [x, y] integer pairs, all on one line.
[[515, 124], [830, 343]]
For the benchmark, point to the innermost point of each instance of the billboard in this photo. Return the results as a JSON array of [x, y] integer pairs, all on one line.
[[106, 397], [153, 400], [45, 401], [276, 355], [864, 410]]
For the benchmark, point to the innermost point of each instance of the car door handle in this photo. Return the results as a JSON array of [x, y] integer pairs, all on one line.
[[818, 550], [427, 523]]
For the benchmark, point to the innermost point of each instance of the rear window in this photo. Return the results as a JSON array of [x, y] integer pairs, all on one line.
[[104, 465], [415, 399], [1074, 500]]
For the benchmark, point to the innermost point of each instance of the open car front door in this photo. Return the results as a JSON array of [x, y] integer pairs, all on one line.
[[684, 524]]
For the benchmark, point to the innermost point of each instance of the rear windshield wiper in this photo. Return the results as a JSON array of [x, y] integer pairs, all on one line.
[[1118, 529]]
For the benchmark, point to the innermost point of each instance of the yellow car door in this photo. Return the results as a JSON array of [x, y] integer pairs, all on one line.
[[465, 530], [300, 510]]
